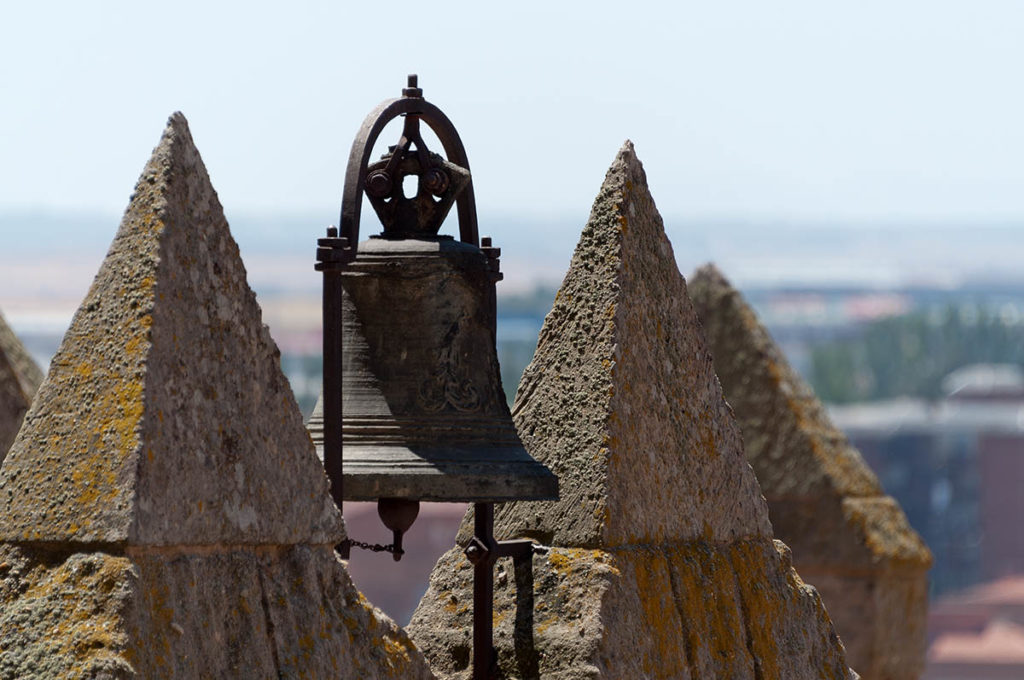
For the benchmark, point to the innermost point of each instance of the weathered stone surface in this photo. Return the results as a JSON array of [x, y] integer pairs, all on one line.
[[19, 380], [164, 512], [662, 562], [269, 612], [165, 418], [848, 539], [621, 401], [684, 610]]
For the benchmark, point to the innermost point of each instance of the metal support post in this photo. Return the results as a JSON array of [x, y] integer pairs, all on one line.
[[332, 254], [483, 551]]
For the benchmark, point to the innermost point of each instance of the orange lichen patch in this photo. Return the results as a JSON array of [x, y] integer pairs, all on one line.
[[884, 529], [772, 595], [83, 370], [566, 560], [693, 609], [66, 617], [392, 646], [93, 455], [115, 437], [650, 569], [705, 597]]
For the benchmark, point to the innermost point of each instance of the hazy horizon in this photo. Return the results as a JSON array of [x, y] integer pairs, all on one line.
[[801, 111], [800, 142]]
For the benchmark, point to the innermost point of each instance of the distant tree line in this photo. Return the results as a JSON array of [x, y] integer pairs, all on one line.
[[911, 354]]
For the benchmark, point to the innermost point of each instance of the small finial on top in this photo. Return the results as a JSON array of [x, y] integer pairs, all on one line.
[[413, 89]]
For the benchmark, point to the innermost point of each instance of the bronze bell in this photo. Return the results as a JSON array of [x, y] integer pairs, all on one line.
[[423, 413]]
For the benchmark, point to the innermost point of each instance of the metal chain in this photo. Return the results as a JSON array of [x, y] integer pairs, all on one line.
[[375, 547]]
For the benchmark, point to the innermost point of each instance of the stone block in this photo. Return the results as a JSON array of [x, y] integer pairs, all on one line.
[[685, 610], [162, 613], [621, 401]]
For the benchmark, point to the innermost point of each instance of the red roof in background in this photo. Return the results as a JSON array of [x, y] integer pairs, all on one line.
[[1005, 591], [978, 632], [1002, 642]]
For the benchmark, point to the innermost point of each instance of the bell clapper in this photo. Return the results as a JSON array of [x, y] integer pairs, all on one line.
[[397, 514]]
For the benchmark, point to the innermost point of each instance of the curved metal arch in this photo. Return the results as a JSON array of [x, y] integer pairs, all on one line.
[[362, 147]]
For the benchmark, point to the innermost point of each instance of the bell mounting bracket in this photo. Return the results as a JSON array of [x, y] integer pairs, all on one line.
[[441, 182]]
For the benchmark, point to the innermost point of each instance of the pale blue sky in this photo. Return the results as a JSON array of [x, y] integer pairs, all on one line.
[[869, 111]]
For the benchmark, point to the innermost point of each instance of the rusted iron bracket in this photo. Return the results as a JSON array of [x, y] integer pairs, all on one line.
[[442, 182], [483, 552], [381, 181]]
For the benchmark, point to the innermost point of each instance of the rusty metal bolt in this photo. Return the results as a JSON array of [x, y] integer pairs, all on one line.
[[488, 249], [436, 181], [379, 184], [476, 552], [413, 90]]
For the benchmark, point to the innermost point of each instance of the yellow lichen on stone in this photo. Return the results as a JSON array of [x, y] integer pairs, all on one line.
[[151, 441], [66, 620]]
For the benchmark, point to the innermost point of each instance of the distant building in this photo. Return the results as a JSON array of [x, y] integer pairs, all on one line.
[[957, 468], [978, 634]]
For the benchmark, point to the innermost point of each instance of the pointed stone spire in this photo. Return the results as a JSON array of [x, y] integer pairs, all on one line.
[[661, 560], [19, 380], [164, 514], [621, 397], [849, 539], [166, 419]]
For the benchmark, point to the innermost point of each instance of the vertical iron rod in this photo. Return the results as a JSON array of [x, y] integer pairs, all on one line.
[[332, 379], [483, 596]]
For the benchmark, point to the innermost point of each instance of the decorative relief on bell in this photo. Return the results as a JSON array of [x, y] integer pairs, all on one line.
[[449, 385]]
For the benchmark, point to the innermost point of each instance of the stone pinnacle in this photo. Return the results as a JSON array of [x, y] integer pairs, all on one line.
[[164, 513], [849, 539], [166, 419]]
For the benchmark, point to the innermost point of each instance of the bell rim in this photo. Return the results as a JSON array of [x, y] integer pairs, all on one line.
[[360, 486]]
